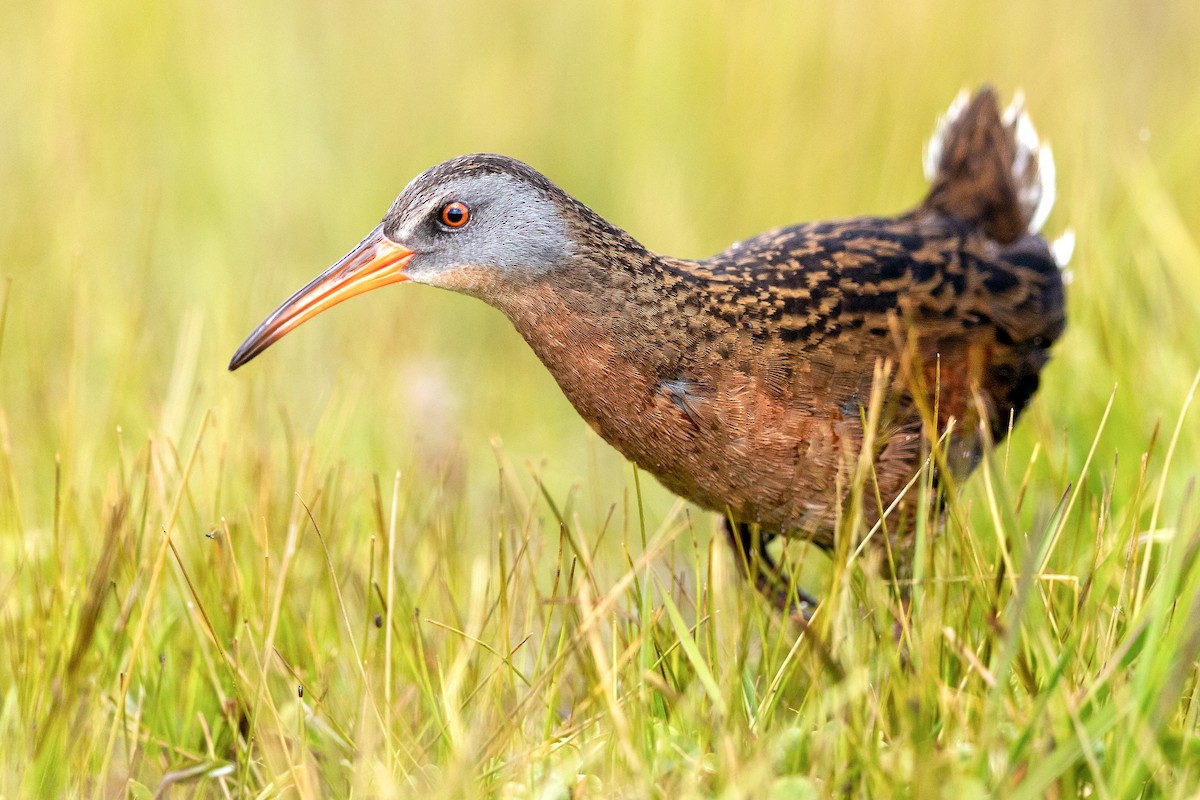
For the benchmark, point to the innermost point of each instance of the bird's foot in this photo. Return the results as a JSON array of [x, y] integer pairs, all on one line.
[[772, 581]]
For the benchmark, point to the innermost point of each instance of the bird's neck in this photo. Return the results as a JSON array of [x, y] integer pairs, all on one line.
[[603, 318], [609, 288]]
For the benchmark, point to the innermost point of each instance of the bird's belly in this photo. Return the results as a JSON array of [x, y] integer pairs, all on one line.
[[740, 451], [776, 451]]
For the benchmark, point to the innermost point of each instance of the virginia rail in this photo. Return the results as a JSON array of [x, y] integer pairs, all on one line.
[[740, 380]]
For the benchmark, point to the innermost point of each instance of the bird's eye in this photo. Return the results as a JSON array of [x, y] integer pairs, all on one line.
[[454, 214]]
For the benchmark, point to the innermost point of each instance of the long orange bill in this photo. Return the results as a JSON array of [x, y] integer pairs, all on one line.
[[376, 261]]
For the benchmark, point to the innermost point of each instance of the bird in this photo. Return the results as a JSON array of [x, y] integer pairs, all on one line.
[[741, 381]]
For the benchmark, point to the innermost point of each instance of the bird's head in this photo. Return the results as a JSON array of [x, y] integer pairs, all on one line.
[[477, 224]]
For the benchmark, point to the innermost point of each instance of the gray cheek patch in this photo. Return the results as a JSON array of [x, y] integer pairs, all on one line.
[[516, 226]]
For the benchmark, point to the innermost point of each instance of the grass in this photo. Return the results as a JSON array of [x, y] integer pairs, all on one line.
[[328, 576]]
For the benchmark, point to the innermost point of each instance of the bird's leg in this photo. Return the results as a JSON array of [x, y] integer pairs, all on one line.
[[750, 550]]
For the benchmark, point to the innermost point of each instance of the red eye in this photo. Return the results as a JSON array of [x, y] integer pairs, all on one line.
[[455, 214]]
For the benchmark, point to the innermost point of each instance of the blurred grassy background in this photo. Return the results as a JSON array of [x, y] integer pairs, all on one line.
[[170, 171]]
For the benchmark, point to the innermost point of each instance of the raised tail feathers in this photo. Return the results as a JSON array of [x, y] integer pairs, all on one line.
[[989, 168]]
